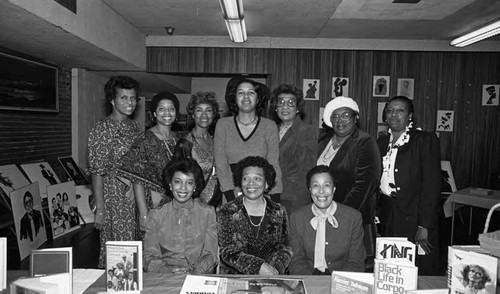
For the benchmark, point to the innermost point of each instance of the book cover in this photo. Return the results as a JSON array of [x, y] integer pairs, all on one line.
[[3, 263], [389, 247], [352, 282], [395, 275], [221, 285], [471, 270], [50, 261], [124, 266]]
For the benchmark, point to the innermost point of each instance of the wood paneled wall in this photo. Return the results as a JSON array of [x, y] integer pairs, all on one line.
[[29, 136], [443, 81]]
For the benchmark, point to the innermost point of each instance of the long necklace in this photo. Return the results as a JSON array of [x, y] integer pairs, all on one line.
[[246, 124], [250, 219]]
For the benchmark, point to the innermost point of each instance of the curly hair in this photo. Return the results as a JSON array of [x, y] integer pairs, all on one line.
[[485, 278], [287, 89], [202, 98], [232, 86], [164, 96], [319, 169], [122, 82], [185, 166], [255, 161]]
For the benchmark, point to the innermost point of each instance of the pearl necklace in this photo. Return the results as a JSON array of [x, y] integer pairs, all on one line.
[[246, 124]]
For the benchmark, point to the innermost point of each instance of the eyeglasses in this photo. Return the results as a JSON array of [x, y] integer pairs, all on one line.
[[344, 117], [289, 102]]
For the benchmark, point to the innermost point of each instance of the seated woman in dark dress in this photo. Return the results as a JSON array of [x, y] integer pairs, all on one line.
[[326, 235], [181, 235], [253, 229]]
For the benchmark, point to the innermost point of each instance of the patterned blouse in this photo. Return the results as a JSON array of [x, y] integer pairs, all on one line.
[[244, 247]]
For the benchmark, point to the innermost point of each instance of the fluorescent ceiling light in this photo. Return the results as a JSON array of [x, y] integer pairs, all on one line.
[[232, 10], [237, 30], [477, 35]]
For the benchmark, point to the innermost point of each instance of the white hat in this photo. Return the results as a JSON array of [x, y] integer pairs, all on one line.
[[337, 103]]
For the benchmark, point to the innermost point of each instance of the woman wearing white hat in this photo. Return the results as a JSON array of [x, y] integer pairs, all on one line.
[[354, 158]]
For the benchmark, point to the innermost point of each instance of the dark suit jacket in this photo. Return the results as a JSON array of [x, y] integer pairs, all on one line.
[[417, 175], [26, 225], [298, 150], [356, 168], [344, 248]]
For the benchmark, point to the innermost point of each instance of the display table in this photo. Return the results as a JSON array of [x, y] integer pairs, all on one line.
[[465, 197], [168, 283]]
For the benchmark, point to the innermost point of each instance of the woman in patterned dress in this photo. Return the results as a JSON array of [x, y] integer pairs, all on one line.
[[198, 144], [151, 152], [109, 140]]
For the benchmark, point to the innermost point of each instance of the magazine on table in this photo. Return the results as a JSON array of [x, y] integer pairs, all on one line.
[[395, 275], [352, 282], [223, 285], [124, 266]]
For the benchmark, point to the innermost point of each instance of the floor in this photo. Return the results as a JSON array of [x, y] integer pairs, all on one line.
[[85, 241]]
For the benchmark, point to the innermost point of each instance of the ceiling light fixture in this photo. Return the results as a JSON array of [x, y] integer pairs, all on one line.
[[477, 35], [232, 11]]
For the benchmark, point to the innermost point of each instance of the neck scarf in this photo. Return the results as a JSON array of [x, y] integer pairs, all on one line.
[[319, 225]]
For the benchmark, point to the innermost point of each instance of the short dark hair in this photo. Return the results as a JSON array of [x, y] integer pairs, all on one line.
[[405, 100], [255, 161], [123, 82], [164, 96], [261, 90], [319, 169], [287, 89], [185, 166]]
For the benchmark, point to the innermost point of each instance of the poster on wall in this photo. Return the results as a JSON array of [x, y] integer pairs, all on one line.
[[28, 218], [321, 111], [490, 95], [11, 178], [380, 112], [382, 130], [42, 173], [63, 208], [444, 122], [340, 87], [73, 170], [405, 87], [310, 87], [381, 86]]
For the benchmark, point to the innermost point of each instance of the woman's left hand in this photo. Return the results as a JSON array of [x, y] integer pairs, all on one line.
[[422, 240]]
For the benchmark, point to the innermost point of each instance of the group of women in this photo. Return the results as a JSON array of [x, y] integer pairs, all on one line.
[[286, 203]]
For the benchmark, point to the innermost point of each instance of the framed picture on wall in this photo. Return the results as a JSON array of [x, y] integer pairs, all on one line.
[[490, 95], [381, 86], [340, 87], [444, 121], [405, 87], [310, 88], [27, 85]]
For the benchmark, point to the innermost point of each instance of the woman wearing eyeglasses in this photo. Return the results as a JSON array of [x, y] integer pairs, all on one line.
[[298, 145], [354, 158]]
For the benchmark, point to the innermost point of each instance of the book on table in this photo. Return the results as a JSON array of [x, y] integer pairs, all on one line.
[[49, 284], [124, 266], [472, 269], [50, 261], [394, 247], [223, 285], [395, 275], [352, 282]]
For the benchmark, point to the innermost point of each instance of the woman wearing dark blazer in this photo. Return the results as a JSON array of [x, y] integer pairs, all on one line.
[[411, 183], [354, 158], [298, 145]]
